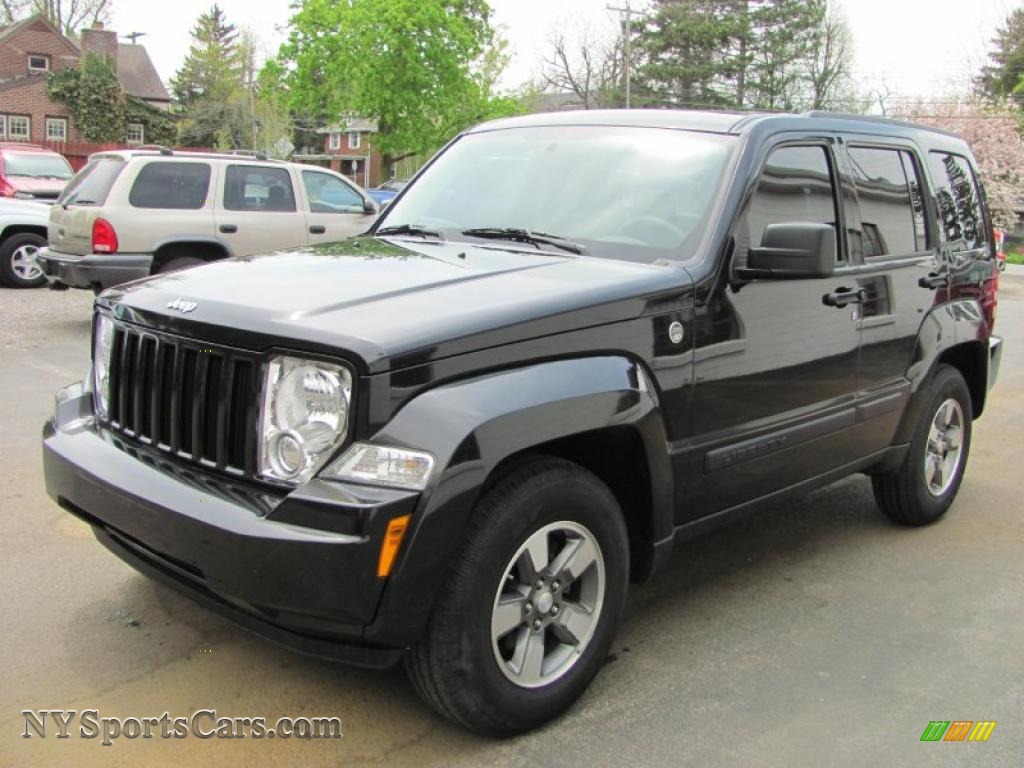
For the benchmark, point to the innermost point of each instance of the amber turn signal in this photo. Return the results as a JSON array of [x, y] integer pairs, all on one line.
[[389, 547]]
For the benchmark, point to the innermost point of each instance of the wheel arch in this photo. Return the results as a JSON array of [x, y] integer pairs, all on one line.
[[22, 229], [199, 247], [599, 412]]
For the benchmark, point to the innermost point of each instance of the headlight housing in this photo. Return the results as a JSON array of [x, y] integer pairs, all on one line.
[[304, 416], [103, 342], [382, 465]]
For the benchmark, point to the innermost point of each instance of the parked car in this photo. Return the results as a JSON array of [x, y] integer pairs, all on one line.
[[22, 234], [455, 439], [31, 172], [129, 214], [387, 191]]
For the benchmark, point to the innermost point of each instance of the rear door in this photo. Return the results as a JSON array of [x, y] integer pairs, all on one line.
[[335, 208], [890, 235], [257, 209]]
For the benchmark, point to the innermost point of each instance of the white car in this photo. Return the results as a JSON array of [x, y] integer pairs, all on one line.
[[22, 234], [134, 213]]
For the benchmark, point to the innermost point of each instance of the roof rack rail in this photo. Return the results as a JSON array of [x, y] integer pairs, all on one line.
[[156, 148], [248, 153]]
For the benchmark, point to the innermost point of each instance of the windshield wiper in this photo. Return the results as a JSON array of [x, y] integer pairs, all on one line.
[[525, 236], [409, 229]]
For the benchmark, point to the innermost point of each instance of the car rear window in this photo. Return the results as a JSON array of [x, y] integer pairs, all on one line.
[[181, 186], [38, 165], [92, 184]]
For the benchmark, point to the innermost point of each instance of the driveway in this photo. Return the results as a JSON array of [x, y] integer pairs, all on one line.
[[814, 634]]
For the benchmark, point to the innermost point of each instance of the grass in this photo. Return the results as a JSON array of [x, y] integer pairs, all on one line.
[[1015, 257]]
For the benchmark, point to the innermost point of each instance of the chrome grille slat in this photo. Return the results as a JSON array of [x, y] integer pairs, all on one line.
[[185, 398]]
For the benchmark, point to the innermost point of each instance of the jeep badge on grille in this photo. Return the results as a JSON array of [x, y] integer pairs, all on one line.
[[181, 305]]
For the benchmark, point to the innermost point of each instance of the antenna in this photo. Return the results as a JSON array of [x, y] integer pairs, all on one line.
[[133, 36]]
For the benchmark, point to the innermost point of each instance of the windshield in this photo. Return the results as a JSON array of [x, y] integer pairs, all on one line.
[[628, 193], [37, 165]]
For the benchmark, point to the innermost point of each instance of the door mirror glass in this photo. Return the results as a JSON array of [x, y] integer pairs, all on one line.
[[792, 251]]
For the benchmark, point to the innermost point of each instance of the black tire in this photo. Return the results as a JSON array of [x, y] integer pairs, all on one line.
[[454, 667], [12, 273], [182, 262], [904, 495]]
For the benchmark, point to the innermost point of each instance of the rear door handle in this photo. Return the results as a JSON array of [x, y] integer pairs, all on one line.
[[842, 296], [317, 229], [935, 280], [228, 229]]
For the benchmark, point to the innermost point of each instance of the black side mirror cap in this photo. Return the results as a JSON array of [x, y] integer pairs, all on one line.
[[792, 251]]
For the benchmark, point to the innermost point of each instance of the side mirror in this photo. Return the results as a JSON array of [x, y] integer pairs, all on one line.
[[792, 251], [370, 205]]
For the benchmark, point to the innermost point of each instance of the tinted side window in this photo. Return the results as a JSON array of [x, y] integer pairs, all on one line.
[[958, 201], [329, 194], [796, 185], [256, 188], [93, 183], [181, 186], [888, 219]]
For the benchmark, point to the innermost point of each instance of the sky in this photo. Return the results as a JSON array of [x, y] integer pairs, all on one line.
[[910, 48]]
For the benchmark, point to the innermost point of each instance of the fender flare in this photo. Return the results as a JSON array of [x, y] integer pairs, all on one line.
[[472, 426]]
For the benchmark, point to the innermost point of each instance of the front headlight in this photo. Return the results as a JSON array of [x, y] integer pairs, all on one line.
[[305, 416], [103, 341]]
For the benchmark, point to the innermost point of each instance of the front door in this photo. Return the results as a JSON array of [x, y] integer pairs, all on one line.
[[335, 209], [775, 366]]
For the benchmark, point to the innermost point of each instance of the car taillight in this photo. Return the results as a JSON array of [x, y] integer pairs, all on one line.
[[104, 238], [6, 190]]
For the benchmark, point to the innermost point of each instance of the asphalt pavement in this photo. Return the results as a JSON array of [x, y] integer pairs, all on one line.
[[812, 634]]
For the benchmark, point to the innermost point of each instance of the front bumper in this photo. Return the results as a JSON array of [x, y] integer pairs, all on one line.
[[94, 270], [298, 568]]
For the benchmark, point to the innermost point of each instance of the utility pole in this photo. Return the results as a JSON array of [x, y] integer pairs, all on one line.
[[628, 30]]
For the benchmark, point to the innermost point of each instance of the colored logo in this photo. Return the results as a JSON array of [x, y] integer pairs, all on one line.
[[958, 730]]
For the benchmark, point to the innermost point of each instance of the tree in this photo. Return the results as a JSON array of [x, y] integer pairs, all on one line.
[[1000, 77], [591, 69], [213, 112], [67, 15], [419, 68], [830, 61], [993, 135]]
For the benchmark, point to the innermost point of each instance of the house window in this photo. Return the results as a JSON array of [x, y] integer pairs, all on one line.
[[19, 127], [353, 139], [56, 129], [3, 126], [335, 141], [37, 63], [136, 133]]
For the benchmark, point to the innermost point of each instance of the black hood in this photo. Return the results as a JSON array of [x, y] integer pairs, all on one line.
[[390, 305]]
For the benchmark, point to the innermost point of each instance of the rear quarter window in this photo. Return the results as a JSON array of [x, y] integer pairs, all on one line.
[[93, 183], [958, 200], [171, 185]]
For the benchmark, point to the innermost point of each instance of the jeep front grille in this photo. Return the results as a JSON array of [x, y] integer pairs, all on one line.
[[194, 400]]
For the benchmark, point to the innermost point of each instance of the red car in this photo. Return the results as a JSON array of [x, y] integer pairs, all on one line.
[[31, 172]]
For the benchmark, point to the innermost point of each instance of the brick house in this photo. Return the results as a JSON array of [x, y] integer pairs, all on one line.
[[31, 49], [348, 148]]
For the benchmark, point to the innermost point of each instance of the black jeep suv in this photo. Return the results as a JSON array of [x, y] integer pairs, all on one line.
[[574, 340]]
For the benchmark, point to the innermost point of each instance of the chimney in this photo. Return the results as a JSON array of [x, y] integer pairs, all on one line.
[[100, 41]]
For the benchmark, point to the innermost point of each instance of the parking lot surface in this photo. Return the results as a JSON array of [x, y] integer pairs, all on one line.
[[814, 633]]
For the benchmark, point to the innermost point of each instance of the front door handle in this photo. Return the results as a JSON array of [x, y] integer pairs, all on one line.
[[935, 280], [840, 297], [317, 229], [229, 229]]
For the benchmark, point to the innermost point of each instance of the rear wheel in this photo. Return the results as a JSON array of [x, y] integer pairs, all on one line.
[[18, 267], [924, 486], [529, 611]]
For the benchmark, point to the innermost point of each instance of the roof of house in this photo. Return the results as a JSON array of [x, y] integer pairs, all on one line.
[[16, 82], [351, 124], [137, 74]]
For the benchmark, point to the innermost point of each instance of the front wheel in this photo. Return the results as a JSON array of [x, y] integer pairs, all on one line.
[[924, 486], [529, 611], [18, 266]]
